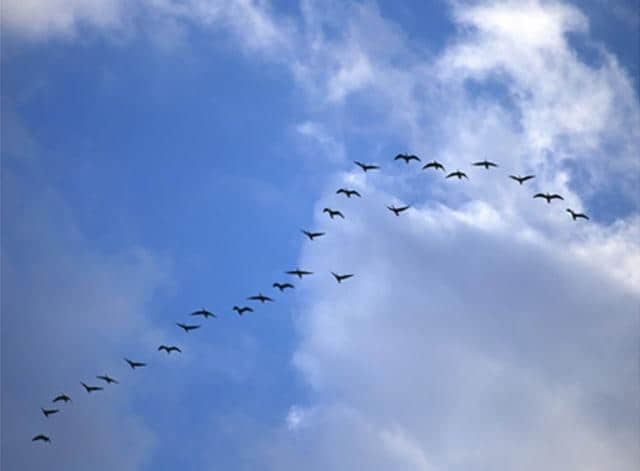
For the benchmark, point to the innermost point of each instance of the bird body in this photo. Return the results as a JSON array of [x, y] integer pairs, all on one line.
[[135, 364], [458, 174], [299, 273], [366, 167], [260, 297], [548, 196], [407, 158], [397, 211], [485, 163], [169, 349], [187, 327], [434, 165], [521, 180], [575, 215], [61, 397], [42, 438], [203, 312], [341, 278], [108, 379], [48, 412], [333, 213], [283, 286], [312, 235], [242, 310], [91, 389], [348, 193]]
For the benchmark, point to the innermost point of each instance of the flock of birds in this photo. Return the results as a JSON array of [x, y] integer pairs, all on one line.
[[333, 213]]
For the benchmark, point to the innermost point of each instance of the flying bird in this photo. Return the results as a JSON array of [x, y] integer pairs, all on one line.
[[407, 158], [188, 327], [548, 197], [312, 235], [108, 379], [48, 412], [135, 364], [341, 278], [169, 349], [41, 437], [434, 165], [299, 273], [91, 389], [333, 213], [242, 310], [203, 312], [485, 163], [575, 215], [62, 397], [282, 286], [521, 180], [458, 174], [260, 297], [348, 193], [366, 167], [397, 211]]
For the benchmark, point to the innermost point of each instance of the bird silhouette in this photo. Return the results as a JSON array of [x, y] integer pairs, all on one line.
[[260, 297], [41, 437], [575, 215], [366, 167], [187, 327], [169, 349], [203, 312], [548, 197], [407, 158], [485, 163], [108, 379], [48, 412], [333, 213], [397, 211], [242, 310], [521, 180], [341, 278], [458, 174], [434, 165], [299, 273], [135, 364], [348, 193], [62, 397], [312, 235], [282, 286], [91, 389]]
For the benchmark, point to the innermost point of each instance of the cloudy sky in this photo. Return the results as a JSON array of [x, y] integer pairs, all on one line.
[[159, 156]]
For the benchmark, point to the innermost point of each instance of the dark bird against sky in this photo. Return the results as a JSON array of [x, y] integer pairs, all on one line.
[[42, 438], [204, 313], [407, 158], [397, 211], [283, 286], [135, 364], [341, 278], [434, 165], [91, 389], [312, 235], [548, 196], [299, 273], [108, 379], [187, 327], [333, 213], [485, 163], [521, 180], [62, 397], [458, 174], [242, 310], [366, 167], [169, 349], [48, 412], [348, 193], [260, 297], [575, 215]]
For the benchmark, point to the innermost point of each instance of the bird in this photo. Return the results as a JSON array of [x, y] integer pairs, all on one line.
[[312, 235], [299, 273], [548, 197], [283, 286], [341, 278], [575, 215], [485, 163], [333, 213], [407, 158], [203, 312], [91, 389], [48, 412], [348, 193], [260, 297], [169, 349], [108, 379], [61, 397], [434, 165], [366, 167], [458, 174], [242, 310], [187, 327], [41, 437], [135, 364], [397, 211], [521, 180]]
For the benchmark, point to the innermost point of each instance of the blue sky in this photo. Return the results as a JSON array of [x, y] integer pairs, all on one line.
[[158, 157]]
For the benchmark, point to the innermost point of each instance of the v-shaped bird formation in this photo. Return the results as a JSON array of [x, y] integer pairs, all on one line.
[[299, 273]]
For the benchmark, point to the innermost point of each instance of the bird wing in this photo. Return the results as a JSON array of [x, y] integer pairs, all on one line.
[[341, 190], [354, 192], [539, 195], [556, 196]]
